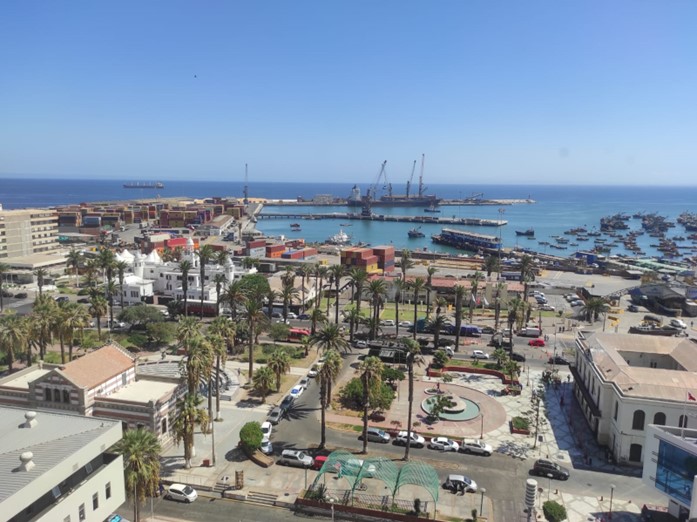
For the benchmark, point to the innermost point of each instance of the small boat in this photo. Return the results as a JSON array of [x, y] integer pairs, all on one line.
[[342, 238], [295, 225], [432, 209], [346, 224], [529, 232], [416, 232]]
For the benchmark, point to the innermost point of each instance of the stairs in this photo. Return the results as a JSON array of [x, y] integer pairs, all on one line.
[[266, 499]]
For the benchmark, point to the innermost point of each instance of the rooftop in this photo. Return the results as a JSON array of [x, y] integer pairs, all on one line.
[[144, 391], [98, 366]]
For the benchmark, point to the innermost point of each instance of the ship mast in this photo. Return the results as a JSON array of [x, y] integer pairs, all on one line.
[[421, 176]]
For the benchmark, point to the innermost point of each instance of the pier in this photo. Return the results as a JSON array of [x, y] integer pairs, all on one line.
[[346, 216]]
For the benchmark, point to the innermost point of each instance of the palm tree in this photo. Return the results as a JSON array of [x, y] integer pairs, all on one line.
[[399, 285], [320, 273], [417, 285], [234, 295], [593, 308], [305, 270], [371, 374], [184, 267], [271, 297], [491, 264], [141, 457], [188, 332], [460, 292], [431, 270], [437, 324], [500, 287], [190, 415], [413, 353], [377, 289], [43, 317], [262, 381], [337, 272], [406, 262], [255, 316], [474, 291], [219, 280], [353, 316], [515, 305], [288, 293], [222, 337], [73, 259], [41, 274], [110, 290], [329, 338], [98, 309], [527, 273], [14, 336], [197, 366], [358, 278], [279, 362], [205, 253], [121, 267], [221, 257], [91, 272], [327, 375], [75, 318], [4, 268]]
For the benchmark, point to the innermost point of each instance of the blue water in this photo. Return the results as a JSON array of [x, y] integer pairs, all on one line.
[[556, 208]]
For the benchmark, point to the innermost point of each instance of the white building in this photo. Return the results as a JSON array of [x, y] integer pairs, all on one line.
[[624, 382], [56, 467]]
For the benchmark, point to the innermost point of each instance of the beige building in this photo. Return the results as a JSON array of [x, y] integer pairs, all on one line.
[[27, 232]]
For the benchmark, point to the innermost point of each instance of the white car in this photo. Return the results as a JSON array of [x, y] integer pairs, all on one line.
[[182, 493], [406, 324], [478, 354], [387, 322], [313, 371], [296, 391], [477, 447], [267, 447], [443, 444], [353, 467], [304, 382], [547, 308], [266, 429], [678, 323], [292, 315], [360, 344], [415, 439]]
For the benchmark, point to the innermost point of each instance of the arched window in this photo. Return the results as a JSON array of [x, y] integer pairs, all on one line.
[[56, 395], [638, 420], [660, 419], [635, 452], [47, 394], [66, 396], [683, 421], [617, 406]]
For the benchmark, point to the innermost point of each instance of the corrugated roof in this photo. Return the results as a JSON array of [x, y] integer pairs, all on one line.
[[98, 366]]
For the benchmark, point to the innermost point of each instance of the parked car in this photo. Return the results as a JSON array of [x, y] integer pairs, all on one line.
[[292, 315], [414, 439], [304, 382], [376, 435], [182, 493], [456, 483], [558, 359], [275, 416], [296, 391], [295, 458], [387, 322], [544, 467], [83, 300], [476, 446], [266, 429], [318, 462], [267, 447], [360, 344], [5, 293], [676, 323], [449, 350], [443, 444], [276, 315], [313, 371], [286, 402], [21, 295], [577, 302], [517, 357], [633, 308], [406, 324], [62, 299], [536, 342], [478, 354], [547, 308], [304, 317]]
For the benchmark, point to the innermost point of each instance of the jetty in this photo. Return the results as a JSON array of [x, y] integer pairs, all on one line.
[[346, 216]]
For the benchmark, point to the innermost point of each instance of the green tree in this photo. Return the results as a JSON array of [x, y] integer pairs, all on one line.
[[437, 324], [406, 262], [254, 316], [190, 415], [254, 285], [141, 459], [140, 316], [460, 293], [305, 271], [263, 381], [41, 275], [326, 376], [205, 253], [234, 295], [161, 333], [288, 294], [413, 354], [196, 367], [377, 290], [398, 285], [430, 271], [416, 286], [121, 267], [74, 320], [219, 280], [317, 316], [491, 264], [593, 308], [371, 375], [554, 511], [474, 293], [251, 436], [353, 316], [279, 362], [14, 337], [222, 335], [358, 278], [98, 309], [43, 318], [185, 267], [188, 332], [278, 331], [73, 259], [337, 272], [321, 272]]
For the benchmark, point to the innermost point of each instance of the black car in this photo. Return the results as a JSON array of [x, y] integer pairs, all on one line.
[[518, 357], [558, 359], [546, 468], [5, 293], [304, 317], [83, 300], [21, 295], [286, 402]]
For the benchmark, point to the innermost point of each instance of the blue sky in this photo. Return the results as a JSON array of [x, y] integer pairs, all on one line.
[[584, 91]]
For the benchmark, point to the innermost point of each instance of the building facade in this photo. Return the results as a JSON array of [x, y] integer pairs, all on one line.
[[27, 232]]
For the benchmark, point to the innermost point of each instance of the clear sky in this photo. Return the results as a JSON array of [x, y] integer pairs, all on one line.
[[557, 91]]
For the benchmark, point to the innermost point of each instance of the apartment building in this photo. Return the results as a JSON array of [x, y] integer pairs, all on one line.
[[27, 232]]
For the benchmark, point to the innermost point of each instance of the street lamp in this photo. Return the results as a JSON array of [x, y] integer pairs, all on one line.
[[481, 504], [481, 431], [612, 493], [331, 503]]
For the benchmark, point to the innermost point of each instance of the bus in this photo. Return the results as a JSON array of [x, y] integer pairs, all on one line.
[[297, 334]]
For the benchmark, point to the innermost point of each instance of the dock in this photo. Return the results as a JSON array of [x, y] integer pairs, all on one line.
[[350, 216]]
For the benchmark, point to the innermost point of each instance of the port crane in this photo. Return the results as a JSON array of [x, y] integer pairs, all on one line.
[[372, 190], [422, 189], [411, 178], [246, 186]]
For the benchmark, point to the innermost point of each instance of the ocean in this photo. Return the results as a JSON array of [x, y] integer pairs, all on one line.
[[556, 208]]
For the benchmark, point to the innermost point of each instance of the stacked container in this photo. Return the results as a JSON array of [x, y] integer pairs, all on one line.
[[256, 248], [385, 256], [275, 250], [360, 258]]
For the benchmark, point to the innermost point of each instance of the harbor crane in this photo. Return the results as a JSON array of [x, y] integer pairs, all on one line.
[[422, 189], [411, 178], [371, 192], [245, 191]]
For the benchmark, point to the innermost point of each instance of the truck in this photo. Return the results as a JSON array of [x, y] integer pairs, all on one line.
[[530, 331], [467, 330]]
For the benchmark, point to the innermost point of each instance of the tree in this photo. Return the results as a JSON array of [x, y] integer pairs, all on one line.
[[255, 285], [161, 333], [329, 338], [413, 353], [197, 366], [190, 415], [321, 272], [317, 316], [254, 316], [41, 274], [141, 457], [406, 262], [251, 436], [593, 308], [431, 270], [460, 292], [185, 267], [110, 290], [474, 291], [13, 337], [500, 288], [501, 356], [527, 274], [305, 271], [353, 317], [438, 405], [278, 331], [263, 381], [337, 271], [75, 318], [222, 335], [399, 286], [491, 264], [219, 280], [234, 295], [358, 278], [437, 324], [371, 375], [205, 253], [73, 259], [288, 294], [98, 309], [554, 511], [417, 285], [327, 375], [140, 316], [515, 305], [279, 362], [42, 320], [377, 290], [188, 332], [121, 267]]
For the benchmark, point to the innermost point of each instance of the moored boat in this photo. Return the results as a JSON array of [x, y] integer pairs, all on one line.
[[529, 232], [416, 232], [467, 240]]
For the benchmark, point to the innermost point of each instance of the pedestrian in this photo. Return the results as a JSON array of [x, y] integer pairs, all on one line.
[[162, 488]]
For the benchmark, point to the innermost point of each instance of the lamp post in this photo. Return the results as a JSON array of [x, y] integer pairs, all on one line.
[[481, 431], [331, 504], [481, 503], [612, 494]]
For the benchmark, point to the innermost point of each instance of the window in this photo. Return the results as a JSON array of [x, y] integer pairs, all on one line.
[[57, 395], [682, 423], [66, 396], [164, 426], [88, 468], [95, 501], [47, 394], [81, 512], [635, 453], [660, 419], [638, 420], [107, 490], [617, 406]]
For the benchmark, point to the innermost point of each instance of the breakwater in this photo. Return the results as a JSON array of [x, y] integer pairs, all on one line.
[[349, 216]]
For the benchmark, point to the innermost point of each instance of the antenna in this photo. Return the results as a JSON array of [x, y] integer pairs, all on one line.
[[246, 185]]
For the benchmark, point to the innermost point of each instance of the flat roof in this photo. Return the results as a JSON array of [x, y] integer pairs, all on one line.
[[144, 391], [35, 260], [22, 380]]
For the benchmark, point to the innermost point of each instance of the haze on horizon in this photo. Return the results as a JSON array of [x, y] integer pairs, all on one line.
[[546, 92]]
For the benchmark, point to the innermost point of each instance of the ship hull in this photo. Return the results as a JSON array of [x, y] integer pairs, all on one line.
[[398, 201]]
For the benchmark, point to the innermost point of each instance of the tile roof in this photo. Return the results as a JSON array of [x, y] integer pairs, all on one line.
[[98, 366]]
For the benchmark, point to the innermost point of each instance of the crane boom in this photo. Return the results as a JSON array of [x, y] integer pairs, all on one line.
[[422, 189], [411, 178]]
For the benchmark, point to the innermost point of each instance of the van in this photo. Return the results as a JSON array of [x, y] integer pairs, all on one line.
[[530, 331]]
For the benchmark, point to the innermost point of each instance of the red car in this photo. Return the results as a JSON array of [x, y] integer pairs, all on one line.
[[536, 342]]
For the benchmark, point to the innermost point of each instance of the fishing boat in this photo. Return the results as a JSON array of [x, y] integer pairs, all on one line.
[[530, 232], [415, 233], [295, 225], [432, 209]]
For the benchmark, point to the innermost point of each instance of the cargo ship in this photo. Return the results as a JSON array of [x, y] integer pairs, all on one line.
[[139, 185], [467, 240]]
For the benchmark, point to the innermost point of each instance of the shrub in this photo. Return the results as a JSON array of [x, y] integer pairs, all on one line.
[[553, 511], [251, 436], [521, 423], [352, 395]]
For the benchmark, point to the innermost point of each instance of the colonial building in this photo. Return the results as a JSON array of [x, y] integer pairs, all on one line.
[[624, 382]]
